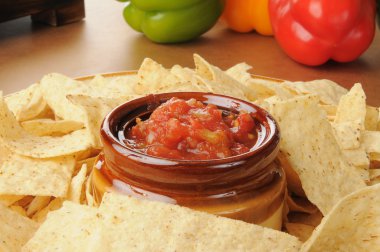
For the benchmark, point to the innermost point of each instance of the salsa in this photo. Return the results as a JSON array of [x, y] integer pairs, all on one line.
[[190, 130]]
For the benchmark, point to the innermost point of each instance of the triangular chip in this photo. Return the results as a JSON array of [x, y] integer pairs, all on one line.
[[20, 175], [307, 140], [352, 225], [15, 230], [27, 103]]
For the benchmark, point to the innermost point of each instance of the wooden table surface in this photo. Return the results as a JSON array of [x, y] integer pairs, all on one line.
[[103, 42]]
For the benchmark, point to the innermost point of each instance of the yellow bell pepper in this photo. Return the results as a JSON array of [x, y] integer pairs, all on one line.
[[248, 15]]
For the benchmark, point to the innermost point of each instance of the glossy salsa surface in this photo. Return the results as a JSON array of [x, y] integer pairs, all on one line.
[[190, 130]]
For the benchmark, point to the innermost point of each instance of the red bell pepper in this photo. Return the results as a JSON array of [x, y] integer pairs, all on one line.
[[313, 31]]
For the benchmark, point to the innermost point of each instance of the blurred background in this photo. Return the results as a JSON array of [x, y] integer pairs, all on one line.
[[102, 42]]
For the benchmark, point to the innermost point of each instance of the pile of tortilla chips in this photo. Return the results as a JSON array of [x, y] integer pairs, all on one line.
[[49, 139]]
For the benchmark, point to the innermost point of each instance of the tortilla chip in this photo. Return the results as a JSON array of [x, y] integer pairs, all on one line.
[[49, 127], [240, 72], [41, 215], [77, 185], [220, 82], [371, 118], [15, 230], [18, 140], [302, 231], [9, 199], [352, 225], [26, 104], [37, 204], [153, 77], [94, 110], [182, 229], [313, 152], [292, 179], [89, 197], [352, 107], [122, 223], [347, 134], [18, 209], [327, 91], [71, 228], [20, 175], [371, 141]]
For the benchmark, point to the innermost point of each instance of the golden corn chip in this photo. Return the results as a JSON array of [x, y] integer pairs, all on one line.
[[327, 91], [371, 141], [49, 127], [94, 110], [71, 228], [371, 118], [26, 104], [18, 140], [77, 185], [37, 204], [313, 152], [220, 82], [240, 72], [347, 134], [41, 215], [352, 225], [153, 78], [20, 175], [300, 230], [15, 229], [352, 107], [9, 199], [18, 209]]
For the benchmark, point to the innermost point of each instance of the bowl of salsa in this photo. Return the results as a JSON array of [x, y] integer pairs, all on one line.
[[204, 151]]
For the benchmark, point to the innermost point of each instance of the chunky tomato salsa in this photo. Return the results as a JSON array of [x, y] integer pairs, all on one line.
[[190, 130]]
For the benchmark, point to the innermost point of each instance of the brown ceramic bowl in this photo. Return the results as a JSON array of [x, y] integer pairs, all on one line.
[[249, 186]]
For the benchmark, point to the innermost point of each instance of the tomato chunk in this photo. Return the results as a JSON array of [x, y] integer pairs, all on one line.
[[191, 130]]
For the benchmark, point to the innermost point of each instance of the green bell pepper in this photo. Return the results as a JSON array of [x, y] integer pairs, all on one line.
[[171, 21]]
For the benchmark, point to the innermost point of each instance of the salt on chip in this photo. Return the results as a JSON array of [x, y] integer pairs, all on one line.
[[313, 152], [49, 127], [240, 72], [77, 185], [27, 103], [20, 175], [153, 77], [327, 91], [347, 134], [352, 107], [94, 110], [123, 223], [18, 140], [15, 229], [71, 228], [221, 82], [55, 87], [352, 225], [156, 226]]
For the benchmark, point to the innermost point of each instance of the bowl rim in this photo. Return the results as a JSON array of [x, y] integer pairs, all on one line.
[[271, 138]]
